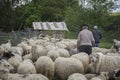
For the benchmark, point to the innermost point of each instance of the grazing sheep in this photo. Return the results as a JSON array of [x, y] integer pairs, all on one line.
[[91, 68], [89, 76], [7, 45], [69, 43], [15, 61], [53, 54], [26, 48], [17, 50], [117, 42], [5, 67], [84, 58], [72, 51], [60, 45], [27, 56], [64, 67], [8, 76], [35, 77], [50, 47], [63, 52], [102, 76], [77, 76], [102, 50], [26, 67], [101, 62], [38, 51], [45, 66]]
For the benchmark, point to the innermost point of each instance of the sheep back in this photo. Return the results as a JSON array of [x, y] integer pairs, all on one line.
[[84, 58], [26, 67], [64, 67], [45, 66], [53, 54], [77, 76]]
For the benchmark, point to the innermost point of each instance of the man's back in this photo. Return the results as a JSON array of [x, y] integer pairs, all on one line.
[[86, 37], [85, 40]]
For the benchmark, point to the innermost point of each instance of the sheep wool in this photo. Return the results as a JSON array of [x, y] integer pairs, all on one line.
[[63, 52], [45, 66], [26, 67], [27, 56], [38, 51], [15, 61], [101, 62], [90, 76], [5, 67], [64, 67], [102, 76], [35, 77], [84, 58], [9, 76], [53, 54], [77, 76]]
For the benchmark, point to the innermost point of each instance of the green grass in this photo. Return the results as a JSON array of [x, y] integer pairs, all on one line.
[[105, 45], [114, 14], [71, 35]]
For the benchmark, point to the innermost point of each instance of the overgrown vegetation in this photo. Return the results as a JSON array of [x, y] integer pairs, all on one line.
[[16, 16]]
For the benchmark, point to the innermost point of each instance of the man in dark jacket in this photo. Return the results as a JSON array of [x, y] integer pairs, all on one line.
[[97, 36]]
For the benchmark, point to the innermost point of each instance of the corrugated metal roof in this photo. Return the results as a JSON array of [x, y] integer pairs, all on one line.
[[50, 26]]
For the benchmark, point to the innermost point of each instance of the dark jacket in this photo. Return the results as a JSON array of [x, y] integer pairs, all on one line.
[[97, 35]]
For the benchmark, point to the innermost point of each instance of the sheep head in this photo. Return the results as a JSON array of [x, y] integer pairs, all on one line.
[[5, 66]]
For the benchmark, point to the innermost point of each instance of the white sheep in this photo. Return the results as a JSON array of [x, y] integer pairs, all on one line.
[[45, 66], [6, 67], [101, 62], [69, 43], [77, 76], [38, 51], [102, 50], [8, 76], [15, 61], [63, 52], [26, 67], [27, 56], [102, 76], [17, 50], [35, 77], [50, 47], [26, 48], [60, 45], [72, 51], [53, 54], [90, 76], [64, 67], [117, 42], [7, 45], [84, 58]]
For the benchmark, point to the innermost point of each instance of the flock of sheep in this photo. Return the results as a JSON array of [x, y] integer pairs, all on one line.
[[48, 58]]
